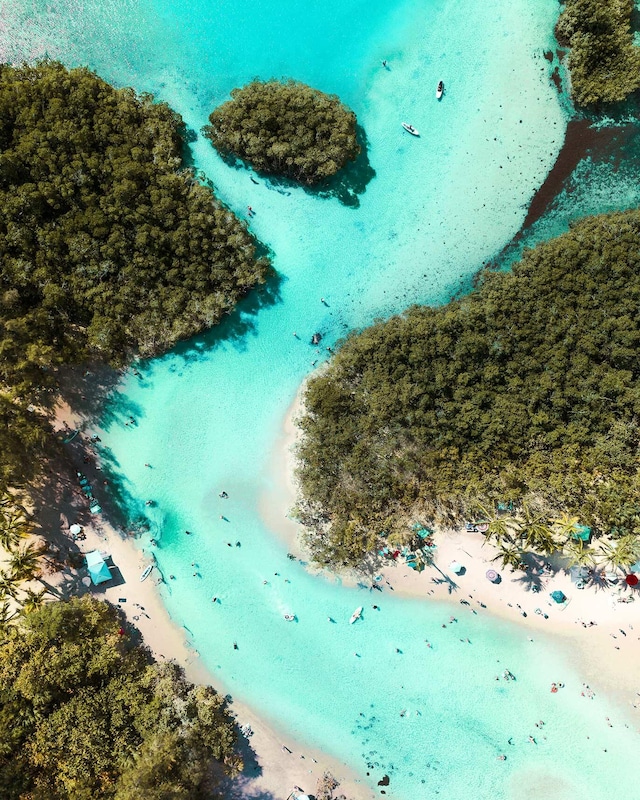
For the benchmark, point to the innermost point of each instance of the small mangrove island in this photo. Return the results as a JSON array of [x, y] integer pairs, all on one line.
[[525, 394], [287, 129]]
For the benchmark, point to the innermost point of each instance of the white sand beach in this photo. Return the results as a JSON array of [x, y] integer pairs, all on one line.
[[597, 627]]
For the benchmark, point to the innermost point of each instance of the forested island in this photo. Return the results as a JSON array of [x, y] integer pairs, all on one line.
[[604, 61], [85, 712], [525, 394], [285, 128], [108, 246]]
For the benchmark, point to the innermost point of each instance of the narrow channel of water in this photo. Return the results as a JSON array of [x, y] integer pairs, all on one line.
[[208, 414]]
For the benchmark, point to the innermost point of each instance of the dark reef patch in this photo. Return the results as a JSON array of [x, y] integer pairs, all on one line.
[[580, 140]]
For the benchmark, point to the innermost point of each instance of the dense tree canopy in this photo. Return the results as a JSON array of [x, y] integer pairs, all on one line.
[[84, 714], [604, 62], [106, 247], [286, 129], [527, 390]]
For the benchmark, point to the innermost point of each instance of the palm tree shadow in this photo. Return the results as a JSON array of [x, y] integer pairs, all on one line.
[[536, 569], [451, 585]]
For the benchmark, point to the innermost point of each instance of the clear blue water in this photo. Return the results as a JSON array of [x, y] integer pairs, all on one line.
[[209, 414]]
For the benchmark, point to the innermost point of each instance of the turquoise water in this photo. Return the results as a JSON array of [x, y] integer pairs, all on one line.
[[209, 414]]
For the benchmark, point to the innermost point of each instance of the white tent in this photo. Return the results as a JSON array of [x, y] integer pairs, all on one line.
[[456, 567]]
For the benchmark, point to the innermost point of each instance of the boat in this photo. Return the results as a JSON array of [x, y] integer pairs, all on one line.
[[357, 614], [146, 572], [440, 90], [410, 129]]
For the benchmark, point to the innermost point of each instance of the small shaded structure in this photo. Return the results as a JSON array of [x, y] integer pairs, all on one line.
[[632, 579], [456, 567], [581, 533], [558, 596], [97, 566], [492, 575]]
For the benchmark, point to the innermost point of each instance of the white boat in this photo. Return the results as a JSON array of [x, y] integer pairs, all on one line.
[[440, 90], [356, 615], [146, 572], [410, 129]]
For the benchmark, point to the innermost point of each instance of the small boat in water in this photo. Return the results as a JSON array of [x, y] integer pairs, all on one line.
[[440, 90], [357, 614], [146, 572], [410, 129]]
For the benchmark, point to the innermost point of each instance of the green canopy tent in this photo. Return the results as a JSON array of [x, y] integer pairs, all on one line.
[[581, 532], [98, 569]]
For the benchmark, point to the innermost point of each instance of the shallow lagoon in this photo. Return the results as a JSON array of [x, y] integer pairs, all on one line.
[[210, 413]]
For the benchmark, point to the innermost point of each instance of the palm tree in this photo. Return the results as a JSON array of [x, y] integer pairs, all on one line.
[[621, 553], [32, 601], [536, 533], [7, 614], [8, 585], [509, 556], [13, 528], [24, 563], [580, 555], [566, 525], [501, 527]]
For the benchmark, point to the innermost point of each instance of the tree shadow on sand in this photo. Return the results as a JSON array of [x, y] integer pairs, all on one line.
[[241, 787]]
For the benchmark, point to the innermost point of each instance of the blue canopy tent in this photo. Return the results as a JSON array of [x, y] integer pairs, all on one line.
[[558, 596], [98, 569], [581, 532]]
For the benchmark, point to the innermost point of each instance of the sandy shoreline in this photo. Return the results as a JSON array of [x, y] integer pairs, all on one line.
[[275, 763], [605, 654]]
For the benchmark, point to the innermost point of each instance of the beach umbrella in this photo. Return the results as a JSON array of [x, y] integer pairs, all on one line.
[[456, 567], [74, 530], [492, 575], [558, 596], [632, 580]]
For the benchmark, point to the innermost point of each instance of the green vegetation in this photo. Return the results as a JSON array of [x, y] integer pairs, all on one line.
[[604, 62], [85, 714], [526, 392], [106, 247], [22, 563], [286, 129]]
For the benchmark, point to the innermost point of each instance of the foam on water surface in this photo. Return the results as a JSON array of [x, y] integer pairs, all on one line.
[[208, 414]]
